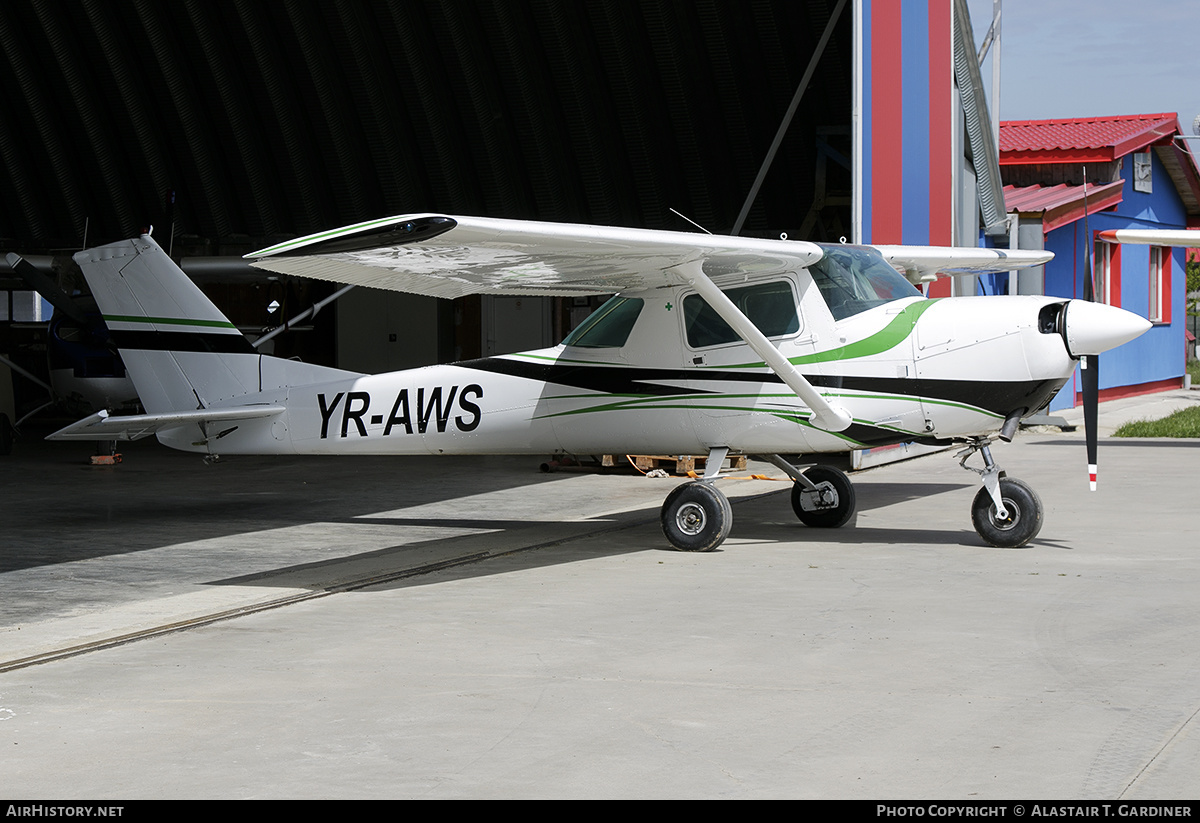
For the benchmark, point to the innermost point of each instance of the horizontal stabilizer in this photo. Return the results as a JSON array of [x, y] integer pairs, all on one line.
[[103, 426]]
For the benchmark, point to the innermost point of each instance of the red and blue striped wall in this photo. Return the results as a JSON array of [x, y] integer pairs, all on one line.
[[908, 110]]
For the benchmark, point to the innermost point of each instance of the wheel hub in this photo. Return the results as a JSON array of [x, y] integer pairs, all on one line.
[[691, 518], [1009, 522], [824, 496]]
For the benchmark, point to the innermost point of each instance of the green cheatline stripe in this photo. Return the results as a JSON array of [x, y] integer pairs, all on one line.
[[325, 235], [930, 401], [640, 401], [170, 321], [801, 419], [891, 335]]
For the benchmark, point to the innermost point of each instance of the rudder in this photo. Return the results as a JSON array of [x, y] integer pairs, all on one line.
[[180, 350]]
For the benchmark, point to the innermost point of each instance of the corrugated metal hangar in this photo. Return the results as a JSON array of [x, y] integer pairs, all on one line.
[[229, 126], [270, 120]]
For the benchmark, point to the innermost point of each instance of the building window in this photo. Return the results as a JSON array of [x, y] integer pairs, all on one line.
[[1160, 285], [1107, 272]]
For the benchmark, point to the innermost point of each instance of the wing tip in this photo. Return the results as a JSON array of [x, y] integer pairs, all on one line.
[[388, 231]]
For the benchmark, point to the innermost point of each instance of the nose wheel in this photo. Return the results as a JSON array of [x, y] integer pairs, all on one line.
[[1006, 512], [1021, 519]]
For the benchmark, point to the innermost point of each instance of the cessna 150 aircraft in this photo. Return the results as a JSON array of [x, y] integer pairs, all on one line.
[[711, 344]]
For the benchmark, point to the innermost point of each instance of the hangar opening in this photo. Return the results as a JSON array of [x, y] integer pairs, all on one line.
[[234, 126]]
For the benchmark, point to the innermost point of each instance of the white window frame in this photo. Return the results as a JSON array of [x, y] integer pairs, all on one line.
[[1159, 258]]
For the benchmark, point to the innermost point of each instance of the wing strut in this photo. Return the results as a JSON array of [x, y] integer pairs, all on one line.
[[826, 415]]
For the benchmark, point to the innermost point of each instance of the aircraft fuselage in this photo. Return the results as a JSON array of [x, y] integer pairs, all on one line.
[[908, 369]]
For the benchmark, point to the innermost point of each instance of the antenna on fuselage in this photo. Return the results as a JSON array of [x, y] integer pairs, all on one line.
[[690, 220]]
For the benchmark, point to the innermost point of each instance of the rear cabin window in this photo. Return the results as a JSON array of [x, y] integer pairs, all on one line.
[[608, 327], [769, 306]]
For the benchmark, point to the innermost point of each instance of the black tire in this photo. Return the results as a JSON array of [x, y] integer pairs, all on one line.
[[696, 517], [830, 513], [1024, 519]]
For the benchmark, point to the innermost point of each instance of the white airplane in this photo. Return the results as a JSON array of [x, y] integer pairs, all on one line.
[[711, 344]]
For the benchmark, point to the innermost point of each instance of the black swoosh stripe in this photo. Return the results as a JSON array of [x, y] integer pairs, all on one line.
[[182, 341], [998, 397]]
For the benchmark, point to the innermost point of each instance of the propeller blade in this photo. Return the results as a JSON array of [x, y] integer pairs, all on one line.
[[1090, 364], [1090, 374]]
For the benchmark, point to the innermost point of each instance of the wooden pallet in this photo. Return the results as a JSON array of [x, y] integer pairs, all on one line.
[[679, 464]]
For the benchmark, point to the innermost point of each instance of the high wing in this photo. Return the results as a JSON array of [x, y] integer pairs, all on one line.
[[925, 263], [1187, 238], [102, 426], [441, 256]]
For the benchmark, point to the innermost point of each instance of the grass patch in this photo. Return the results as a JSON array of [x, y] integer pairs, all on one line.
[[1183, 423]]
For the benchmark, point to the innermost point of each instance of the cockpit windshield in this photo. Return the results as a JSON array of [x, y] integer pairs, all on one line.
[[853, 279]]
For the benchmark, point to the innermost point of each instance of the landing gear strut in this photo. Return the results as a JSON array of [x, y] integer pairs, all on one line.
[[1006, 512], [696, 517]]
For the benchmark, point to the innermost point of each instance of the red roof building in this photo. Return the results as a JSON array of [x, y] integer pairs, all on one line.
[[1139, 175], [1082, 139], [1037, 154]]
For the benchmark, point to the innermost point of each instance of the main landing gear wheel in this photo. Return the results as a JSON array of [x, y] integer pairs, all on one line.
[[1024, 518], [830, 505], [696, 517]]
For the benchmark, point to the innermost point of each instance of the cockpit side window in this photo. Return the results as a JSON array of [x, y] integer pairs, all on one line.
[[769, 306], [609, 326], [853, 280]]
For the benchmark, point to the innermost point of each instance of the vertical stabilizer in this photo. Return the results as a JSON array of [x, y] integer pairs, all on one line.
[[180, 350]]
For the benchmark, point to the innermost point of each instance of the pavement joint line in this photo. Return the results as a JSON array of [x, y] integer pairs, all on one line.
[[1175, 735], [339, 588]]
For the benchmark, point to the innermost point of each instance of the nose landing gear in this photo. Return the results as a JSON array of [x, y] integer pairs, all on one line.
[[1006, 512]]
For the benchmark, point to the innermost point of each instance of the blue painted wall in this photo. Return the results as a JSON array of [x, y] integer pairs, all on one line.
[[1159, 353]]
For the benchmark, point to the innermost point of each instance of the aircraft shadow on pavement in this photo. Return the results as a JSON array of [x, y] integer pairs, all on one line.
[[59, 509], [160, 498], [625, 533]]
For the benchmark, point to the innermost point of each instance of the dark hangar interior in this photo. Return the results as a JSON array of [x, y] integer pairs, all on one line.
[[243, 122], [231, 125]]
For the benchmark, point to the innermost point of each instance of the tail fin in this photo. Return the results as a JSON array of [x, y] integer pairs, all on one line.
[[180, 350]]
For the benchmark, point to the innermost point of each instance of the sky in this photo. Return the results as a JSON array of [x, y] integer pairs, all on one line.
[[1084, 58]]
